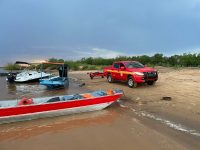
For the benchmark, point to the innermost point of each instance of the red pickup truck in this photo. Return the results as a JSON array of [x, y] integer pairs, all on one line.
[[131, 72]]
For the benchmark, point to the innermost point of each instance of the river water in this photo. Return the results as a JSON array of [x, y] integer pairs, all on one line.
[[48, 130], [19, 90], [116, 127], [2, 70]]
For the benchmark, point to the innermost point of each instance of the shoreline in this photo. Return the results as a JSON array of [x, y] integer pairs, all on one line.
[[139, 120], [182, 85]]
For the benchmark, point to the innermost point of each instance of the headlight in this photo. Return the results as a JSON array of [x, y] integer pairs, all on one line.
[[139, 73]]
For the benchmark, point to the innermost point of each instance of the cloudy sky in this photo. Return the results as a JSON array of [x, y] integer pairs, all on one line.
[[33, 30]]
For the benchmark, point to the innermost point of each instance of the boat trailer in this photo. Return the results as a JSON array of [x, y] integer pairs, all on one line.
[[96, 74]]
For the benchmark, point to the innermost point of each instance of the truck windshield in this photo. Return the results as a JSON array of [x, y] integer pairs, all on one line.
[[134, 65]]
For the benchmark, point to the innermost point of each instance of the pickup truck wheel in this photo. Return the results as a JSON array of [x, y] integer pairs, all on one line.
[[131, 82], [109, 78], [150, 82]]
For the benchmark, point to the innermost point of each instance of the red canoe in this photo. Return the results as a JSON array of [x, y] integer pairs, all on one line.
[[28, 109]]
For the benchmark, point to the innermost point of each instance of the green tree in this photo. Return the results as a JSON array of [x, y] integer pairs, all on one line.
[[11, 66]]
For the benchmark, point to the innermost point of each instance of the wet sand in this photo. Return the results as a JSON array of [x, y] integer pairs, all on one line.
[[113, 128], [140, 120], [181, 113]]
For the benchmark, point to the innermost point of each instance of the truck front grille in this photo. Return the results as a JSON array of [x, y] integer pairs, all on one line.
[[150, 75]]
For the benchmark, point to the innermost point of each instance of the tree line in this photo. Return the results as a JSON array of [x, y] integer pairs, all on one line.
[[185, 60], [158, 59]]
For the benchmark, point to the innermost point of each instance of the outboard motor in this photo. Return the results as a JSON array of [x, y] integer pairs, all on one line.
[[63, 71], [11, 77]]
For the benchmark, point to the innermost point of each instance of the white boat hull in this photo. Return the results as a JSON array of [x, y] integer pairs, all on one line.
[[29, 76]]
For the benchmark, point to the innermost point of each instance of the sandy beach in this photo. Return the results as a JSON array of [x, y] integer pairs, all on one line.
[[181, 112], [140, 120]]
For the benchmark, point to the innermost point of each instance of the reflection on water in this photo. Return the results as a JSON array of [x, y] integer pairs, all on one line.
[[19, 90], [28, 129]]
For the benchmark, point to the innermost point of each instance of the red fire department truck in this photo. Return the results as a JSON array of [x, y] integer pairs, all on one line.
[[131, 72]]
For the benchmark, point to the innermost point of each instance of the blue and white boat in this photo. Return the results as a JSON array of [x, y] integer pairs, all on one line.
[[57, 81]]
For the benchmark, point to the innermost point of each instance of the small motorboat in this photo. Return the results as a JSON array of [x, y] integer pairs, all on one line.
[[54, 82], [33, 108], [57, 81], [26, 75], [30, 76]]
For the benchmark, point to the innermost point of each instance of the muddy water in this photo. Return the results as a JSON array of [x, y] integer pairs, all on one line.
[[19, 90], [117, 127]]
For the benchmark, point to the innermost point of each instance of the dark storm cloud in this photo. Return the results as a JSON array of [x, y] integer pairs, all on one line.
[[35, 29]]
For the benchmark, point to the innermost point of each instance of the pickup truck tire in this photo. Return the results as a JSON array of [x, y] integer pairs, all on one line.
[[110, 78], [91, 77], [150, 82], [131, 83]]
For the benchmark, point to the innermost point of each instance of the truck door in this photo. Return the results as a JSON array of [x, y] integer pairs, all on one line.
[[116, 73], [122, 72]]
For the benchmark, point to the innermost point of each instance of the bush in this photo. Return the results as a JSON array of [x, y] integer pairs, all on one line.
[[74, 67], [92, 67], [84, 67], [11, 66], [98, 63]]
